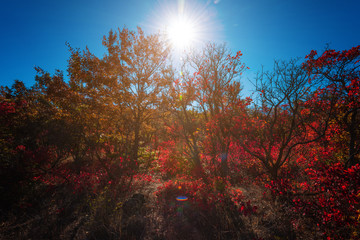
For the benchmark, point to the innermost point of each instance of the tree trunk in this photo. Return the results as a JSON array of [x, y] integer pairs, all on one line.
[[135, 149]]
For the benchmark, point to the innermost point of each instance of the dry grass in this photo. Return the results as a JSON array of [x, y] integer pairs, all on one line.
[[60, 214]]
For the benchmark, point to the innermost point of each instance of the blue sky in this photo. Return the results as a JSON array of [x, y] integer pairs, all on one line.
[[33, 33]]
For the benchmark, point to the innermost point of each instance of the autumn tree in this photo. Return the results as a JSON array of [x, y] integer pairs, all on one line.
[[204, 98], [184, 122], [282, 121], [337, 73], [14, 136], [122, 90], [34, 141], [68, 124]]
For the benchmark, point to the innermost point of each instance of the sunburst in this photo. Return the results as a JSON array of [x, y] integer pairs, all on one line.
[[182, 32]]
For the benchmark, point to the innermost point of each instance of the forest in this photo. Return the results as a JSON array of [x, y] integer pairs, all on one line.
[[124, 146]]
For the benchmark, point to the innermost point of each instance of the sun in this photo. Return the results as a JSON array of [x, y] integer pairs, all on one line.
[[182, 32], [185, 25]]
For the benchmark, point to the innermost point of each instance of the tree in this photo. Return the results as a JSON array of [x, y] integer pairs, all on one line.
[[121, 91], [283, 120], [33, 140], [338, 73], [67, 124], [204, 99]]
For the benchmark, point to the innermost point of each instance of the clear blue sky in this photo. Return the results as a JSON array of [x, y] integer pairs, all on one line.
[[33, 33]]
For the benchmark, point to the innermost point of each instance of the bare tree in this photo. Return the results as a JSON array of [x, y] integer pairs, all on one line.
[[282, 120]]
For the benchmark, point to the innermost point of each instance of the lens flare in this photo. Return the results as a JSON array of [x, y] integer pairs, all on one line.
[[181, 198]]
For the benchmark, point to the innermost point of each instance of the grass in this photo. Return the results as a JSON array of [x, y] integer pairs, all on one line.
[[59, 213]]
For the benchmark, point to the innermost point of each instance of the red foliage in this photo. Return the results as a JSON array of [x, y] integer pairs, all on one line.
[[330, 197], [170, 161], [341, 69]]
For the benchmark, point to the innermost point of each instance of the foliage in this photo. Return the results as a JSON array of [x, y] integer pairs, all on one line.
[[339, 72], [108, 151]]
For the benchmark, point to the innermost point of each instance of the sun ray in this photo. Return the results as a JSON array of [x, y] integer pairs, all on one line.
[[185, 24], [181, 32]]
